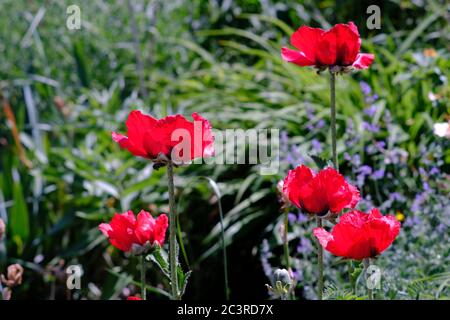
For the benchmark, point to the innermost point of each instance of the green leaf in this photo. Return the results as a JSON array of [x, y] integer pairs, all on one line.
[[320, 162], [159, 257], [18, 219], [182, 281], [113, 284]]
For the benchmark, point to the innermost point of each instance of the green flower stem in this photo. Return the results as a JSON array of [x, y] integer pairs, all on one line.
[[143, 289], [172, 234], [286, 249], [224, 252], [320, 262], [285, 240], [366, 263], [350, 275], [333, 117]]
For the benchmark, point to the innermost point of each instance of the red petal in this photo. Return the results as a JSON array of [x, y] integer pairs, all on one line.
[[171, 131], [296, 57], [161, 224], [339, 193], [383, 230], [121, 234], [145, 227], [355, 218], [306, 40], [339, 45], [138, 124], [294, 181], [350, 241], [353, 28], [155, 142], [327, 241], [133, 298], [355, 196], [323, 236], [348, 43], [326, 53], [206, 147], [125, 143], [105, 228], [359, 235], [363, 60], [313, 197]]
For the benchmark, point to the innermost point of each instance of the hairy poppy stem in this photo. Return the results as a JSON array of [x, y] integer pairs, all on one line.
[[143, 289], [320, 262], [285, 240], [172, 234], [366, 263], [350, 276], [333, 117], [286, 247]]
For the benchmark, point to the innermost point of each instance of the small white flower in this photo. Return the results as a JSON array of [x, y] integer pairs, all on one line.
[[442, 129], [432, 96]]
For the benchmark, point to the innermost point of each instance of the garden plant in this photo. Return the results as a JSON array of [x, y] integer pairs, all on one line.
[[189, 150]]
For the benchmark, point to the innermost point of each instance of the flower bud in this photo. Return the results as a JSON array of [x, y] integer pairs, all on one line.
[[2, 229], [283, 284], [283, 276], [14, 276], [283, 199]]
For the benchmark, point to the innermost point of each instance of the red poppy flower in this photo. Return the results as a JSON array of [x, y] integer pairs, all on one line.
[[154, 138], [127, 233], [319, 193], [338, 46], [133, 298], [359, 235]]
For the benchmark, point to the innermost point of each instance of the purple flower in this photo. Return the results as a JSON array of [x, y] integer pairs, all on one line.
[[411, 221], [371, 149], [320, 124], [418, 201], [297, 274], [292, 218], [434, 171], [441, 228], [380, 144], [363, 171], [378, 174], [370, 127], [297, 157], [347, 157], [395, 196], [396, 156], [356, 160], [422, 172], [305, 246], [370, 111], [301, 218], [316, 145], [365, 88]]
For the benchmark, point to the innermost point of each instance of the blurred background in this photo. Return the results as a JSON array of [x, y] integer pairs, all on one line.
[[63, 91]]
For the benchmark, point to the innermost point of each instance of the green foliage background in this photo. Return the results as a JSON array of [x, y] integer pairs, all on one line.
[[68, 89]]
